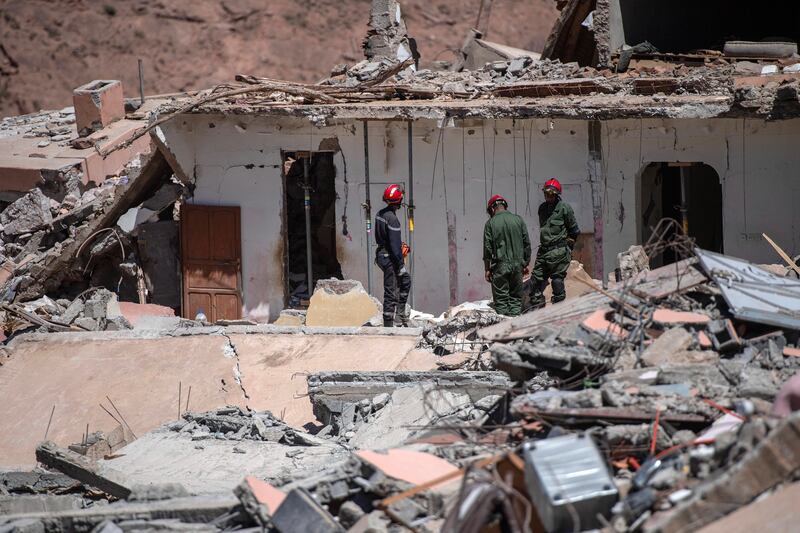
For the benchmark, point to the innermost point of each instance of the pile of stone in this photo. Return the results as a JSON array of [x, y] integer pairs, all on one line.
[[50, 126], [235, 423]]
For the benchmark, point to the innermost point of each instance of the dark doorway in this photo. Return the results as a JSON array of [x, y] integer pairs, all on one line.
[[669, 189], [320, 175]]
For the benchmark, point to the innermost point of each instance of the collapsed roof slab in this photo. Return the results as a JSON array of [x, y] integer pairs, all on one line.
[[142, 372], [590, 107]]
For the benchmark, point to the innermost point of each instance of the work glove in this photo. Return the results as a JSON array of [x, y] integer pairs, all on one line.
[[406, 249]]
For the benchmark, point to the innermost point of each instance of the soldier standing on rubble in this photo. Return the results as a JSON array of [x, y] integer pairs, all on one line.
[[506, 255], [558, 232], [390, 257]]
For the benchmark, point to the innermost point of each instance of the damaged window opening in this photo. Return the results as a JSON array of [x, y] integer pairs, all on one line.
[[667, 190], [322, 196]]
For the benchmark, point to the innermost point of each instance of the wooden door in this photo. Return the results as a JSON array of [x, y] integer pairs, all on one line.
[[211, 250]]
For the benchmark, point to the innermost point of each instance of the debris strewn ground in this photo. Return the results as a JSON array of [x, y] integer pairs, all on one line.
[[662, 398]]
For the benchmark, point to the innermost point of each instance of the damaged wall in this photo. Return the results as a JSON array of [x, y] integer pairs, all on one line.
[[756, 162], [237, 161]]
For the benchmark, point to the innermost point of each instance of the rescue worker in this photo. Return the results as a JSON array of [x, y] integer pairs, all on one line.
[[557, 235], [506, 255], [390, 258]]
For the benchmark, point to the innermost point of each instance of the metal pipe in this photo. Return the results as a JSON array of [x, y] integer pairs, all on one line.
[[368, 208], [307, 207], [411, 206], [684, 201], [141, 80]]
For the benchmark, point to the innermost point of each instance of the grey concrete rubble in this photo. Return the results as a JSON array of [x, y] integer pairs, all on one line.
[[665, 400], [235, 423], [65, 240], [458, 332], [346, 401]]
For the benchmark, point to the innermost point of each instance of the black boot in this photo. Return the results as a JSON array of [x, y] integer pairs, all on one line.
[[388, 322]]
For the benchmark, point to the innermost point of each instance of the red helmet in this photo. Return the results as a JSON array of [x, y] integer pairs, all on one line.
[[553, 184], [494, 200], [393, 194]]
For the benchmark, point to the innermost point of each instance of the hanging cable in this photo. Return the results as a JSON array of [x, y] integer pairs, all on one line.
[[494, 146], [444, 172], [436, 160], [463, 173], [485, 173], [530, 163], [514, 144]]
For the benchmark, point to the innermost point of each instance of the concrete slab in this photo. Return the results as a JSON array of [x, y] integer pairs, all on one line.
[[274, 367], [140, 372], [211, 465], [140, 376]]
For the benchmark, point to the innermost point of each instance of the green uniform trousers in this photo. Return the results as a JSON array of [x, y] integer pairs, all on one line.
[[507, 290], [550, 265]]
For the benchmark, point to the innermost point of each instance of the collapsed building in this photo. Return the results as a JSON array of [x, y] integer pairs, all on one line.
[[664, 382], [704, 138]]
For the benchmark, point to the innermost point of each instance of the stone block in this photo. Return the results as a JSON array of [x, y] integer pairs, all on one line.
[[662, 350], [291, 317], [342, 303], [27, 214], [98, 104]]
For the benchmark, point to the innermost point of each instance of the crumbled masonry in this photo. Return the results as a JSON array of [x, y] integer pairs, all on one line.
[[664, 399]]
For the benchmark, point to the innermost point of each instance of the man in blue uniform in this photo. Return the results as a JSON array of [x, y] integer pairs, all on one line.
[[389, 257]]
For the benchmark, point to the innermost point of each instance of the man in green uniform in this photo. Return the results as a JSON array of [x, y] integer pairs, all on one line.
[[506, 254], [558, 232]]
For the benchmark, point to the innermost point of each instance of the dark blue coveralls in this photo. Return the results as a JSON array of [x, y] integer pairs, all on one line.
[[389, 258]]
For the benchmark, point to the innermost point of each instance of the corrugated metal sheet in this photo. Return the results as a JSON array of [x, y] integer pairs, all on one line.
[[752, 293]]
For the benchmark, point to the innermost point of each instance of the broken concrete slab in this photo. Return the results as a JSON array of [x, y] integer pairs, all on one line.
[[410, 411], [334, 394], [342, 303], [206, 464], [775, 512], [299, 512], [82, 469], [39, 503], [259, 498], [291, 317], [192, 510]]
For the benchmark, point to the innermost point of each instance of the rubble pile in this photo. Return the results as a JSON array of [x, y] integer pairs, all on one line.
[[458, 332], [50, 126], [68, 254], [655, 405], [235, 423]]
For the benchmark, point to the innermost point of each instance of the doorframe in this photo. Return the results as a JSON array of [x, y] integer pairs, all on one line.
[[285, 212]]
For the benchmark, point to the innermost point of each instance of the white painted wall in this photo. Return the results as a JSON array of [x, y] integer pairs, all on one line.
[[237, 162], [758, 163]]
